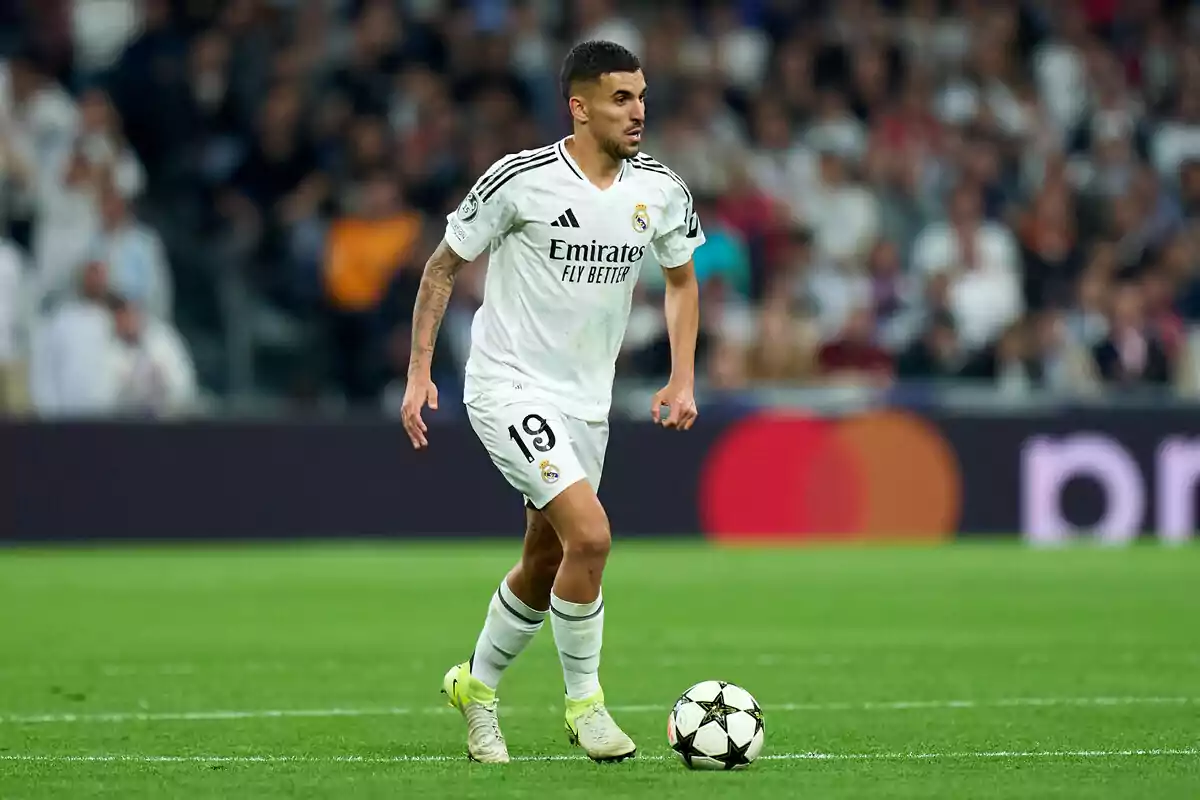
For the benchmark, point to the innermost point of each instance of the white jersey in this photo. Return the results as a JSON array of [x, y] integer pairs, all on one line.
[[564, 259]]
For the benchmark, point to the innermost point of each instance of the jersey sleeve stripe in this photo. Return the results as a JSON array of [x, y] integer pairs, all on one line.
[[567, 161], [658, 166], [648, 161], [660, 170], [507, 165], [643, 158], [510, 174]]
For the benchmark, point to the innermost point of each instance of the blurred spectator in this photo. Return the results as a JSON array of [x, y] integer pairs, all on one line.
[[37, 124], [599, 19], [367, 249], [1050, 251], [1059, 65], [1178, 139], [1131, 355], [102, 29], [987, 89], [824, 291], [853, 357], [784, 348], [894, 296], [999, 191], [1162, 320], [936, 354], [1180, 262], [1189, 188], [1057, 362], [13, 323], [836, 131], [705, 141], [741, 52], [134, 254], [981, 262], [101, 140], [1007, 362], [74, 181], [71, 362], [843, 214], [66, 222], [755, 218], [152, 370], [907, 138], [148, 85], [726, 366], [780, 164], [278, 187], [1087, 321]]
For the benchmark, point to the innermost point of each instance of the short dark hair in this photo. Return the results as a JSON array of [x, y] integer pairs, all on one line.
[[587, 61]]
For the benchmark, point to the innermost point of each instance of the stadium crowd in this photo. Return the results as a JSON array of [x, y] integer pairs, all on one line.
[[207, 197]]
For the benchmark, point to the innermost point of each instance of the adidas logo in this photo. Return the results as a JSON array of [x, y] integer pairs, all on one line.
[[565, 220]]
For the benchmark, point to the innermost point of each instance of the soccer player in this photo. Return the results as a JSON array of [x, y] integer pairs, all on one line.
[[567, 228]]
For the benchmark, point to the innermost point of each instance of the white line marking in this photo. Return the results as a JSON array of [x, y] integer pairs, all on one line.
[[885, 756], [208, 716], [126, 670], [810, 660], [287, 713]]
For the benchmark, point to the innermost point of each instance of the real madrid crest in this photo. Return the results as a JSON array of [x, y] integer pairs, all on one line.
[[468, 208], [549, 472], [641, 218]]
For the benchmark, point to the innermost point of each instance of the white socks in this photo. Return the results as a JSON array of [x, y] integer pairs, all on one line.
[[579, 632], [510, 626]]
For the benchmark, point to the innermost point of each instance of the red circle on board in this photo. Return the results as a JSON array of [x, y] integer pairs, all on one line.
[[772, 476], [782, 476]]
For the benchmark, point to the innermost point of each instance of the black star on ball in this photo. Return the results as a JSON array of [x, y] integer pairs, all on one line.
[[735, 756], [685, 746], [716, 710], [756, 712]]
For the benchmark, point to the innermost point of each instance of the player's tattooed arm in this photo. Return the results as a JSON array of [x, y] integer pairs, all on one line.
[[437, 282]]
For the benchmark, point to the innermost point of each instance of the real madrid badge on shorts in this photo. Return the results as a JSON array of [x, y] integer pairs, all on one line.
[[641, 218], [549, 472]]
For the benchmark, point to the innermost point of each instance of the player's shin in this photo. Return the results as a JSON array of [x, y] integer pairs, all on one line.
[[579, 635], [509, 627], [576, 602]]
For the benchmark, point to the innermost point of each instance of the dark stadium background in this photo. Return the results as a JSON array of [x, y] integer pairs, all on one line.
[[950, 322], [953, 210]]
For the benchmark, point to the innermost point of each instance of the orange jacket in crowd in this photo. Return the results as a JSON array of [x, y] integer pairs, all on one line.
[[362, 256]]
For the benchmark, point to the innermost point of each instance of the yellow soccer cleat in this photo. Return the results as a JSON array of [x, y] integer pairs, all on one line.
[[591, 727], [477, 703]]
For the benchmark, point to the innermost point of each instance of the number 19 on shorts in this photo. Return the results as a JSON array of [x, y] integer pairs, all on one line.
[[537, 449], [537, 431]]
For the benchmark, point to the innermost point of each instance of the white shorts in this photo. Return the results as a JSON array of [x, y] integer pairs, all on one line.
[[537, 449]]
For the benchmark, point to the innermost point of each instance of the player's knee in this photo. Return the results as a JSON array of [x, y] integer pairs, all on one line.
[[590, 541]]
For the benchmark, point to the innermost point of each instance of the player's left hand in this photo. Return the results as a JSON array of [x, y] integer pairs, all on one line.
[[678, 397]]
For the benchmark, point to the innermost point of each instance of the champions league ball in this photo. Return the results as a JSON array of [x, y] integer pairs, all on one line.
[[716, 725]]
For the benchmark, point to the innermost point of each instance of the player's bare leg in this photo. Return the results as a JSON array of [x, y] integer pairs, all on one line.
[[533, 577], [577, 618], [514, 617], [520, 604]]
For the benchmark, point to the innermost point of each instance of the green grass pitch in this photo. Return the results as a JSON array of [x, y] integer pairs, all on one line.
[[969, 670]]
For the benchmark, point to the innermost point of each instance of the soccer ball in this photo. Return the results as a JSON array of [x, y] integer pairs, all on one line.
[[716, 725]]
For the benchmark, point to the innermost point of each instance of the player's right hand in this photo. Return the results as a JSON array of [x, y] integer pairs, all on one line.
[[418, 392]]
